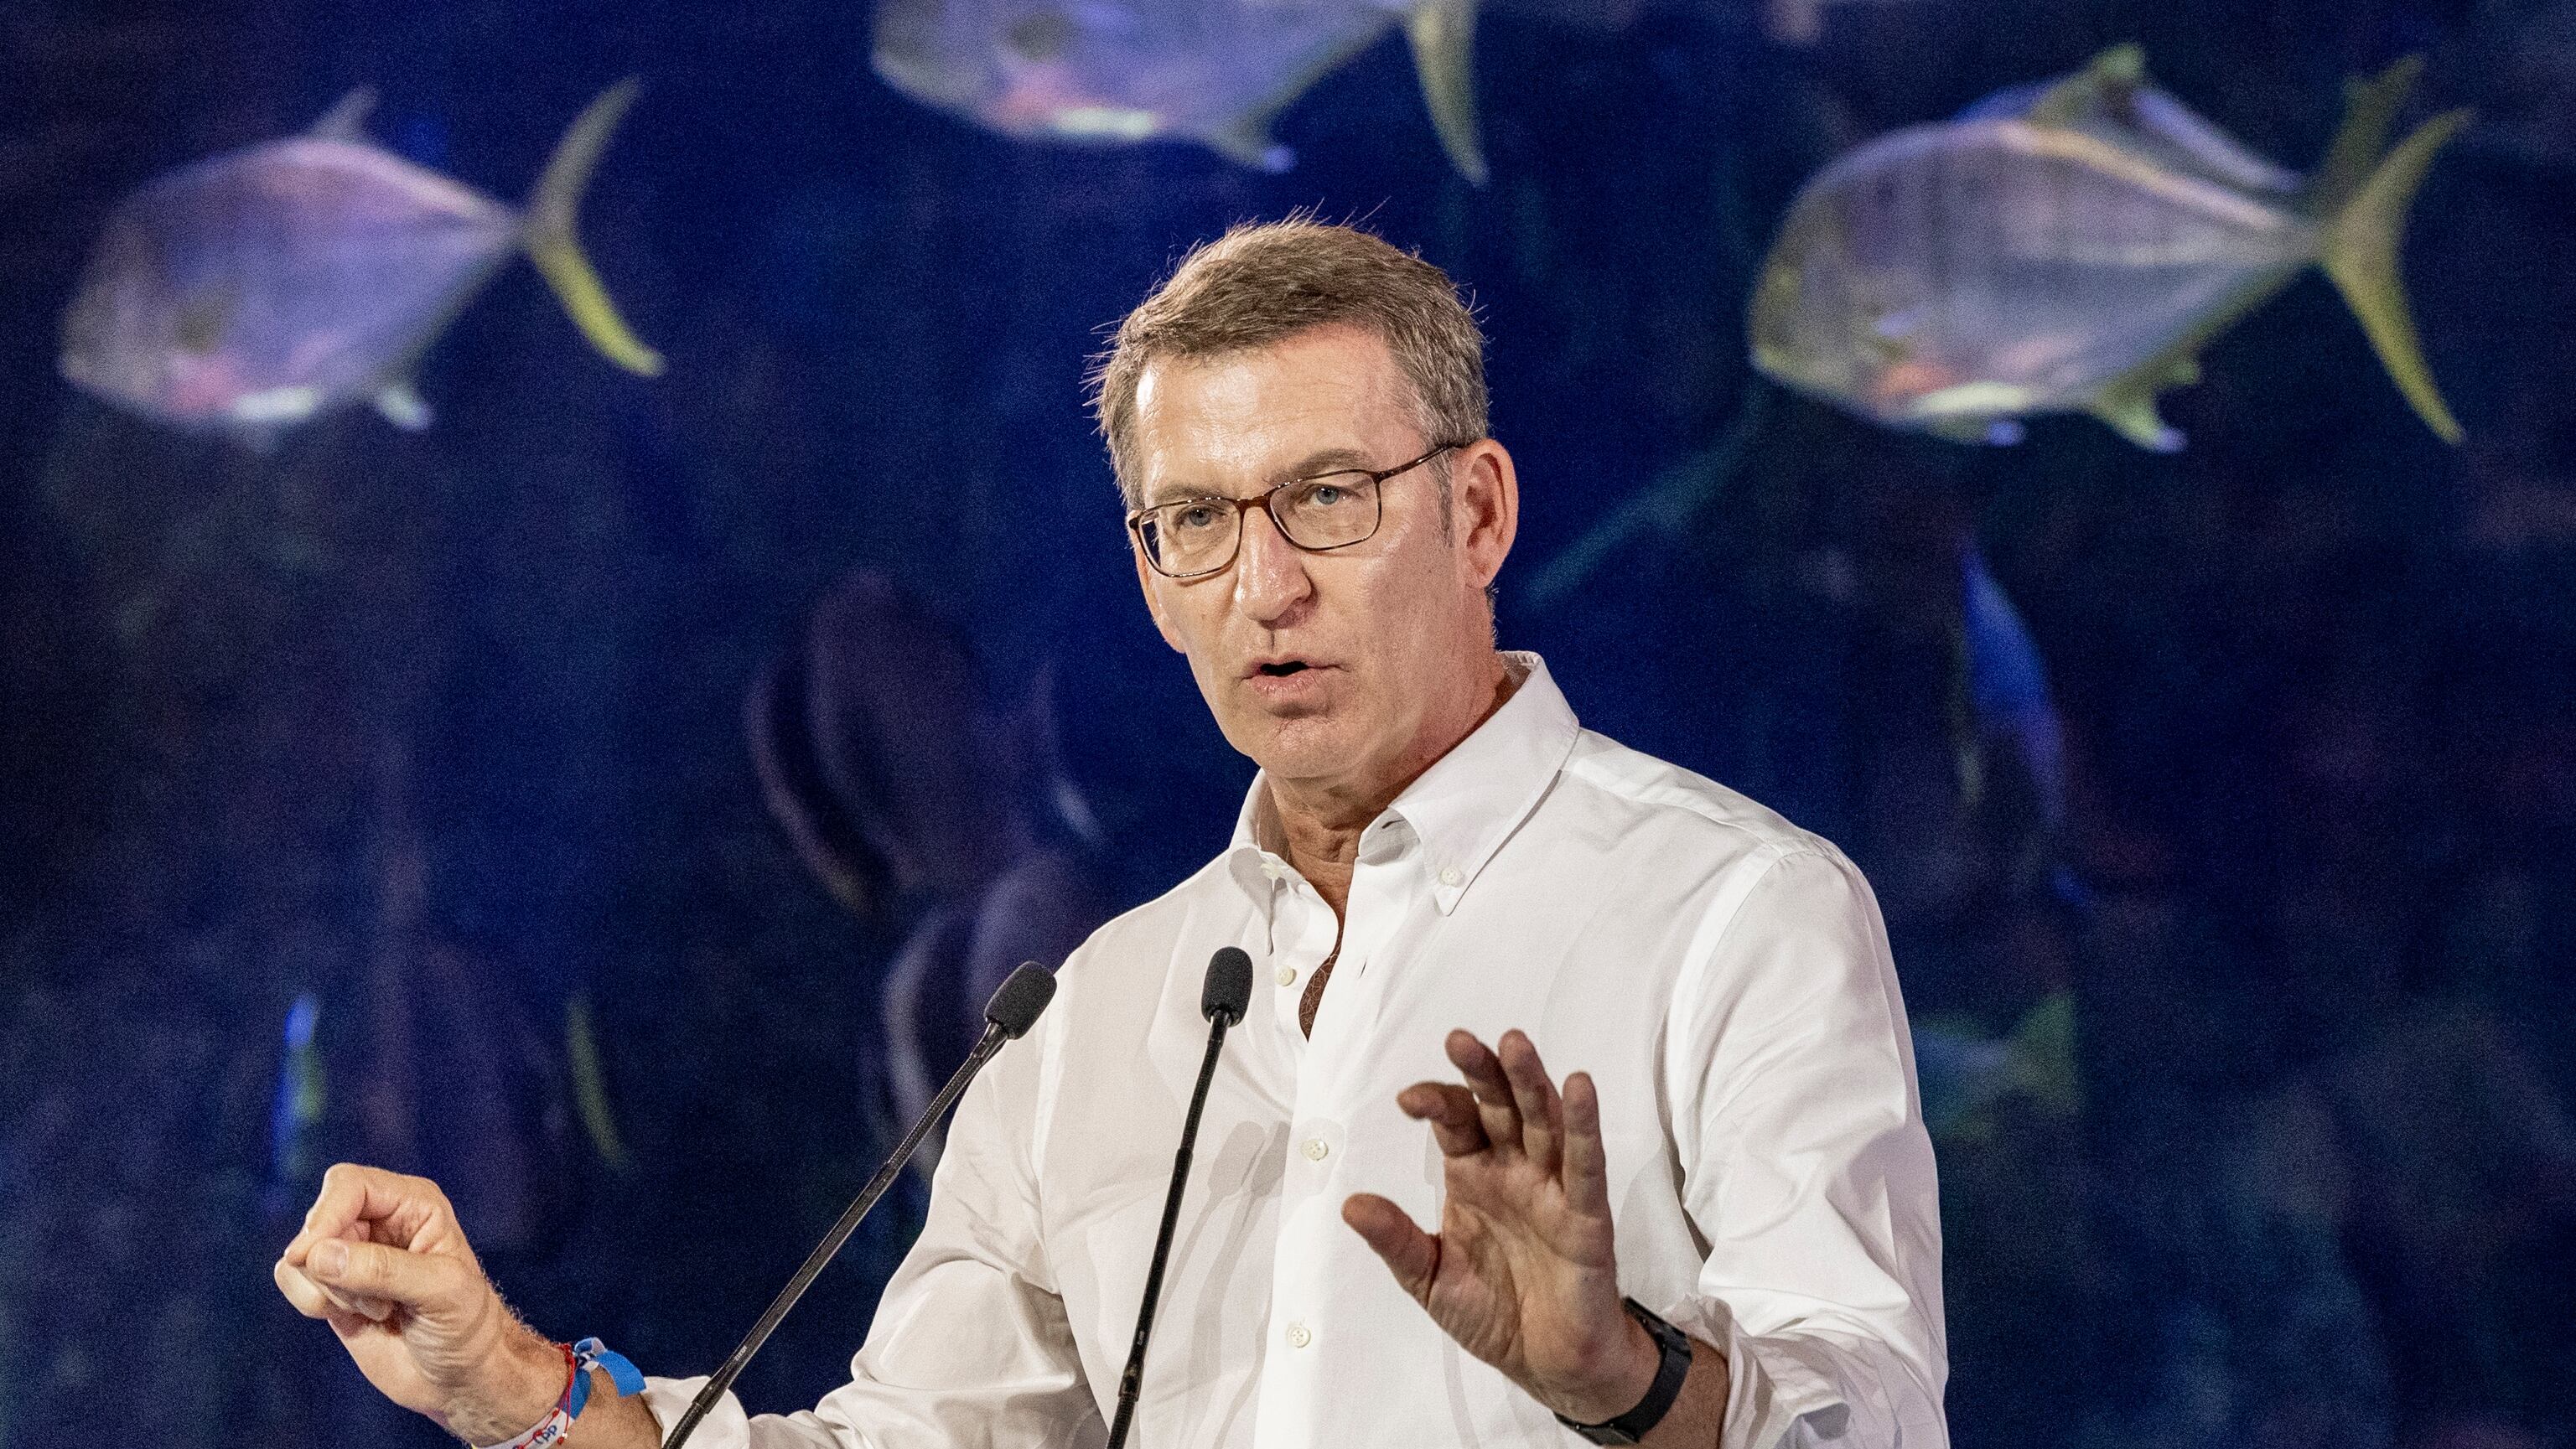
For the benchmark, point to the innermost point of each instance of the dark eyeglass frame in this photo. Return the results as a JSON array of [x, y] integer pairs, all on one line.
[[1265, 501]]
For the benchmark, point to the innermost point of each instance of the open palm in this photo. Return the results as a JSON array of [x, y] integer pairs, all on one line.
[[1522, 1272]]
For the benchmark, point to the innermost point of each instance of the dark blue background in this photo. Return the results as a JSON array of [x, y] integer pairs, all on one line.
[[444, 728]]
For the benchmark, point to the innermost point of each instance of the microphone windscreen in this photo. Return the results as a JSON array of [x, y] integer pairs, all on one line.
[[1016, 1004], [1229, 985]]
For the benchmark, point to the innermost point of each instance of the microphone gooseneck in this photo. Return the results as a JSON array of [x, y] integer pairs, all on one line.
[[1007, 1017], [1223, 1001]]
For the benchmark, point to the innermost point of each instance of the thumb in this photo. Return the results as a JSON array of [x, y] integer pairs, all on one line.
[[431, 1286], [1411, 1254]]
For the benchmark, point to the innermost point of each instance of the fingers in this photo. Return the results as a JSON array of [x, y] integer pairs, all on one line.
[[371, 1204], [1509, 1105], [1451, 1111], [1493, 1089], [1534, 1098], [1516, 1103], [1411, 1254], [1586, 1173], [312, 1301], [432, 1286]]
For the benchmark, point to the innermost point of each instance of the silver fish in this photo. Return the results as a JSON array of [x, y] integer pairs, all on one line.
[[258, 289], [2072, 249], [1211, 71]]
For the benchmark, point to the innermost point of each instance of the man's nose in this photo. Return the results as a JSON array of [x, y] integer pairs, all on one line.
[[1269, 572]]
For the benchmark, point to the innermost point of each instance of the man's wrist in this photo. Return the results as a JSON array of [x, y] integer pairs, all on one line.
[[1627, 1373], [526, 1383]]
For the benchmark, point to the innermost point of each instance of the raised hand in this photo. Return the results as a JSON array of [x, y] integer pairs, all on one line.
[[382, 1260], [1522, 1272]]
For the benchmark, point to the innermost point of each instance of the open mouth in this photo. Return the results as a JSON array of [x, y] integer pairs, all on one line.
[[1283, 668]]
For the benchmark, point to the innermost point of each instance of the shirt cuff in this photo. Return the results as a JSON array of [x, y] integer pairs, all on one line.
[[724, 1427], [1805, 1391]]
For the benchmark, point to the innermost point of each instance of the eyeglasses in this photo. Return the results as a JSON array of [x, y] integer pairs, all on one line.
[[1191, 537]]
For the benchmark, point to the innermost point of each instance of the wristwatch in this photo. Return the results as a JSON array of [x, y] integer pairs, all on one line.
[[1632, 1426]]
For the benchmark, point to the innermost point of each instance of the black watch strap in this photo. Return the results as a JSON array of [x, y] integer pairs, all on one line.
[[1633, 1426]]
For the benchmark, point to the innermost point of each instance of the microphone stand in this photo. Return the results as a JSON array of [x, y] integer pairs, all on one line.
[[1227, 995], [1000, 1020]]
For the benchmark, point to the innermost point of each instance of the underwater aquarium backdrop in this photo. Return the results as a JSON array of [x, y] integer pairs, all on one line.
[[610, 792]]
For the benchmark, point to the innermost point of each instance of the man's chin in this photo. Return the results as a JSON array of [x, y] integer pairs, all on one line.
[[1304, 746]]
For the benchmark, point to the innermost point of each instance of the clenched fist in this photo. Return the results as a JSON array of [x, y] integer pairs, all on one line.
[[382, 1260]]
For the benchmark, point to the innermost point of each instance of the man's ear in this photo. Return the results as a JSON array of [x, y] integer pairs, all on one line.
[[1145, 577], [1485, 508]]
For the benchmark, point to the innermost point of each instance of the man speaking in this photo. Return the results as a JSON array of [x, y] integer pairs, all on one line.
[[1402, 1232]]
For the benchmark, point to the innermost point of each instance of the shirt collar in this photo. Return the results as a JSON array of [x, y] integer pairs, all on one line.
[[1470, 801]]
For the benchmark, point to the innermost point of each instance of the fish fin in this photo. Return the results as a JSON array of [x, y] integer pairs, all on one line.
[[276, 407], [2360, 255], [2369, 110], [1971, 412], [401, 405], [2115, 72], [1443, 33], [554, 243], [1249, 144], [2127, 403], [590, 1082], [346, 120]]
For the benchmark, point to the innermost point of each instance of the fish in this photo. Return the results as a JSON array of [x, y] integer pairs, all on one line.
[[1211, 71], [2005, 691], [918, 804], [254, 291], [2071, 248]]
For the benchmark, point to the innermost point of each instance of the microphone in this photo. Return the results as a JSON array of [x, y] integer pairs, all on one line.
[[1223, 1001], [1007, 1017]]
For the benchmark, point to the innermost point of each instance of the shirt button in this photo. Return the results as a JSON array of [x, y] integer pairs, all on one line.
[[1298, 1337], [1273, 869], [1449, 876], [1317, 1149], [1287, 975]]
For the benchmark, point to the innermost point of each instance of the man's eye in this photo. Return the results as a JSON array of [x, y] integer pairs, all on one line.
[[1196, 517], [1326, 494]]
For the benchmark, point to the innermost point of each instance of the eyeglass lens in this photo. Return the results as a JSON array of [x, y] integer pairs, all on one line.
[[1200, 535]]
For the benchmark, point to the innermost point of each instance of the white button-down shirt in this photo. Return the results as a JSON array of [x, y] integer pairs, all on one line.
[[1724, 977]]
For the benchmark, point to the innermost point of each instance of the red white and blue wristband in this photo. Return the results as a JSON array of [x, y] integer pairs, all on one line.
[[579, 1359]]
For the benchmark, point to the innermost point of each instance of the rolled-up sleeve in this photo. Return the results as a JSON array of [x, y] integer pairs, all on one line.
[[970, 1346], [1806, 1167]]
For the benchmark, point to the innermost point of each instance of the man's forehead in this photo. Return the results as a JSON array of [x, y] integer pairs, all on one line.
[[1322, 398]]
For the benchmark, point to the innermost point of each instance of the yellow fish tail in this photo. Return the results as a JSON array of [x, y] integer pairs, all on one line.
[[1443, 33], [590, 1083], [554, 243], [2360, 253], [2369, 110]]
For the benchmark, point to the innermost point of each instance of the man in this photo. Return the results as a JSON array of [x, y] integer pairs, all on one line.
[[1435, 870]]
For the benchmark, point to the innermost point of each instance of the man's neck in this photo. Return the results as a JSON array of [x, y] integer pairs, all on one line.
[[1319, 822]]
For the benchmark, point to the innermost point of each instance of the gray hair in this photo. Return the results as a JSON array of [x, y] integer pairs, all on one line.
[[1263, 282]]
